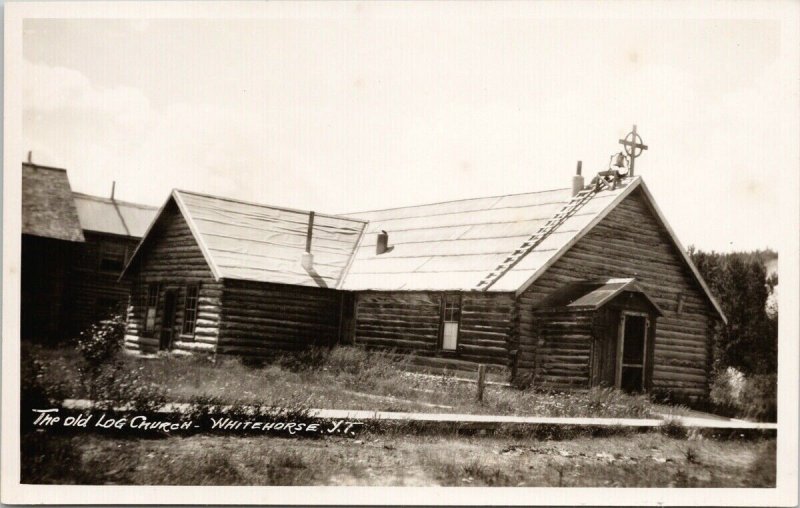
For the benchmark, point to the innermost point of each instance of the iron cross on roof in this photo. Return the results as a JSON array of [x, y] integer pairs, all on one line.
[[632, 142]]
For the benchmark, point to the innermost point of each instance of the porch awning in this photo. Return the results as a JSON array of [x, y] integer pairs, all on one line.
[[591, 295]]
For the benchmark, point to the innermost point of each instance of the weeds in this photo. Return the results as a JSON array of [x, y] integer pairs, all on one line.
[[691, 455], [345, 377], [673, 428]]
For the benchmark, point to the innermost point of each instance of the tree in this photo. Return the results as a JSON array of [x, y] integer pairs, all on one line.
[[749, 342]]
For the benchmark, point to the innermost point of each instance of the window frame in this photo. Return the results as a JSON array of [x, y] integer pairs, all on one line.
[[106, 247], [443, 309], [196, 287]]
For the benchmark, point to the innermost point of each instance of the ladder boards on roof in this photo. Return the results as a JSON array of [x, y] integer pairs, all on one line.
[[577, 201]]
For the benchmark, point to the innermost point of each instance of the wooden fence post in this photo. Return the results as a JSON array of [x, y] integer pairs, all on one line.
[[481, 381]]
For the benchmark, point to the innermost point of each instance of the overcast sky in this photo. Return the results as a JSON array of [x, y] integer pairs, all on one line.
[[357, 113]]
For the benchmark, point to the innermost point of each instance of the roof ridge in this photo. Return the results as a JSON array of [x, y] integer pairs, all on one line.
[[263, 205], [458, 200], [111, 201], [40, 166]]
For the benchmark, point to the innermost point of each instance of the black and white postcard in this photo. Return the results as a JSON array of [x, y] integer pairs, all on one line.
[[490, 253]]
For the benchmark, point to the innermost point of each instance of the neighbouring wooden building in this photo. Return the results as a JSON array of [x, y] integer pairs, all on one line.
[[573, 287], [74, 247], [112, 229], [51, 236]]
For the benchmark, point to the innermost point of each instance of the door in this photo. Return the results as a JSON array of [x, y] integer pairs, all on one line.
[[631, 354], [168, 321]]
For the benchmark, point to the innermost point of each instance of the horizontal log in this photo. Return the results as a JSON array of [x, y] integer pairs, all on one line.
[[266, 343], [483, 350], [276, 314], [398, 318], [400, 335], [395, 343], [391, 327], [193, 346], [465, 339], [483, 334]]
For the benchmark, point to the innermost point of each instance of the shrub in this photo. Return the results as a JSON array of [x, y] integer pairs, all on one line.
[[99, 346], [752, 397], [103, 372], [35, 392], [673, 428], [347, 360], [759, 397]]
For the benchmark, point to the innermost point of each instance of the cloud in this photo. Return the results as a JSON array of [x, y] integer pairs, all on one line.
[[101, 133]]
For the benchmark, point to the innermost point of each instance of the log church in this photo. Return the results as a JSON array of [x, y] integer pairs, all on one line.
[[576, 287]]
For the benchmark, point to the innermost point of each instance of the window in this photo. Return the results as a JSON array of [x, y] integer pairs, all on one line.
[[150, 305], [451, 316], [190, 309], [112, 257]]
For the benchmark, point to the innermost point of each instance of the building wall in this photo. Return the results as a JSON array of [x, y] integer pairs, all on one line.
[[91, 289], [564, 346], [261, 318], [173, 259], [44, 275], [410, 322], [629, 242]]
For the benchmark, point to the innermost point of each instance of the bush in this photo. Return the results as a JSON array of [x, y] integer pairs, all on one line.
[[35, 393], [759, 397], [99, 346], [751, 397], [673, 428], [103, 372]]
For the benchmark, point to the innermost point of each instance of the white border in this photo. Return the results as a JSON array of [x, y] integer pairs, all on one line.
[[785, 494]]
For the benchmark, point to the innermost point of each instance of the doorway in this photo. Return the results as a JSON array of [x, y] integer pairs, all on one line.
[[631, 352], [168, 322]]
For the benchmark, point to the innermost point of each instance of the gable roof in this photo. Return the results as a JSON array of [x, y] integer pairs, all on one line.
[[249, 241], [48, 209], [453, 245], [576, 227], [104, 215], [441, 246]]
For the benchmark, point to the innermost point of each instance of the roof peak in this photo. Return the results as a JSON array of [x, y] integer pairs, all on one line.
[[458, 200], [264, 205]]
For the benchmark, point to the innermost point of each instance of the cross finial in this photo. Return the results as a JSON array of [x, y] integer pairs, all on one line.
[[632, 142]]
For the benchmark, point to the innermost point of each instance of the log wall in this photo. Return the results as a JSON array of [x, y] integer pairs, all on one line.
[[172, 258], [410, 322], [90, 290], [262, 318], [630, 242], [564, 346]]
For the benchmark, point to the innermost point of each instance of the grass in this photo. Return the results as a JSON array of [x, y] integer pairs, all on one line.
[[635, 460], [344, 378]]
